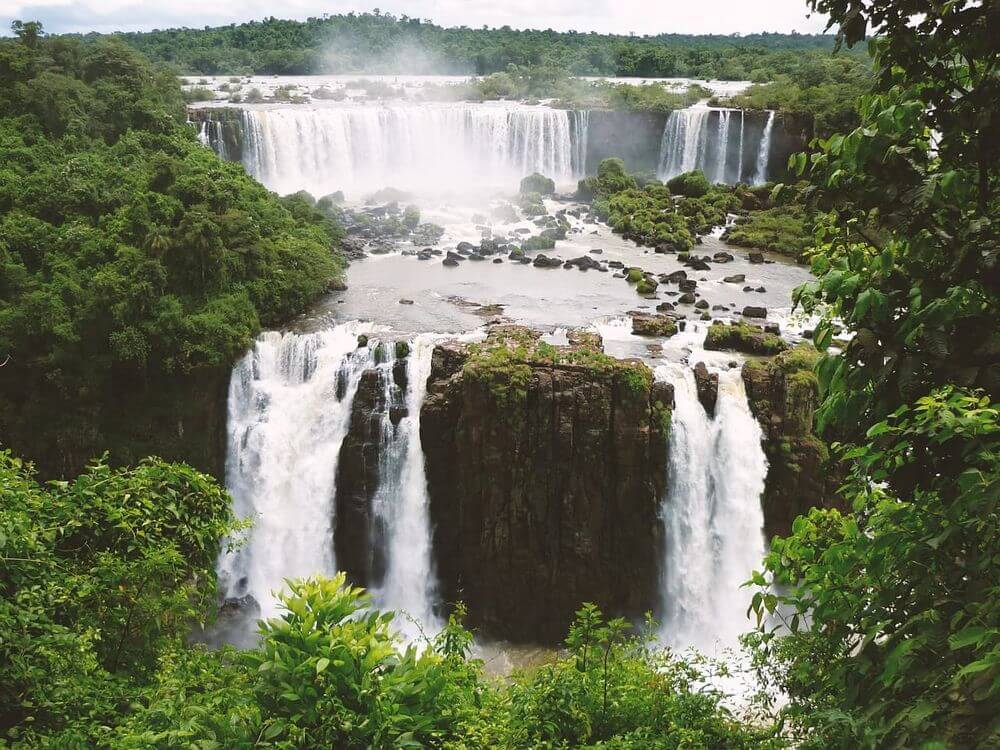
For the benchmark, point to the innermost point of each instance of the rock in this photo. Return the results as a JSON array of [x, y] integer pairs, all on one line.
[[664, 307], [772, 328], [723, 257], [454, 256], [701, 304], [464, 247], [743, 337], [406, 302], [664, 249], [719, 308], [783, 395], [688, 285], [675, 278], [686, 299], [559, 480], [644, 324], [476, 256], [646, 286], [707, 385], [760, 289], [615, 264], [736, 278], [748, 289], [449, 262], [498, 260], [597, 251], [751, 311], [362, 341], [543, 261], [756, 258], [697, 264]]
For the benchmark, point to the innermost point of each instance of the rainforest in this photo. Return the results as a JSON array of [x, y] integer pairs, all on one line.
[[372, 383]]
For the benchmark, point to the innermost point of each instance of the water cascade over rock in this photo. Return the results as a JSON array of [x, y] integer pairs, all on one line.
[[359, 148], [325, 459], [719, 142], [711, 512]]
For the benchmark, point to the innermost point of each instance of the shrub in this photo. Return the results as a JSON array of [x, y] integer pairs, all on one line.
[[537, 183]]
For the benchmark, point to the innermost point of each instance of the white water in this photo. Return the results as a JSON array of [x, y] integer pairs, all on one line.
[[712, 515], [289, 410], [423, 147], [401, 504], [764, 152], [290, 403], [698, 138]]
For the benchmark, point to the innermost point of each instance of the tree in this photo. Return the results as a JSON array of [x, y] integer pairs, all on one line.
[[890, 624]]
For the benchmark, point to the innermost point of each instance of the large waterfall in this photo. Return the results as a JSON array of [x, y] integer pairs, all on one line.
[[712, 513], [359, 148], [290, 406], [713, 141]]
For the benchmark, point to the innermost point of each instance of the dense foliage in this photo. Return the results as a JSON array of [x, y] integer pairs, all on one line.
[[131, 258], [892, 610], [380, 42], [100, 578], [103, 577]]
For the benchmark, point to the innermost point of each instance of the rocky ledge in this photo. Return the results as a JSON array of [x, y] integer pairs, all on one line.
[[545, 466], [783, 394]]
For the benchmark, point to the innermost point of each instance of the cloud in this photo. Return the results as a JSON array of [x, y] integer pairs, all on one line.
[[609, 16]]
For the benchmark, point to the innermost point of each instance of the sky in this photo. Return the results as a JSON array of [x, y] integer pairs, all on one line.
[[608, 16]]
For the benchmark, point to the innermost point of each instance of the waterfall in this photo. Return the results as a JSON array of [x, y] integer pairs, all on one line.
[[690, 141], [764, 152], [402, 503], [722, 147], [289, 406], [581, 123], [711, 513], [359, 148], [290, 403], [684, 141]]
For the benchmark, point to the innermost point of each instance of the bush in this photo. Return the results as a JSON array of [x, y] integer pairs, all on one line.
[[537, 183], [690, 184]]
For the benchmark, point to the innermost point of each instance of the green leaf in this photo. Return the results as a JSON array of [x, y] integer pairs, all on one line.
[[966, 637], [322, 664]]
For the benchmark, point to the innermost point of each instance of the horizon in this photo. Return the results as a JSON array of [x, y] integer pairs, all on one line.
[[629, 17]]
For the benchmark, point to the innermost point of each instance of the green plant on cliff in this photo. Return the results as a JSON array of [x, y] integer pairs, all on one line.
[[893, 608], [132, 260]]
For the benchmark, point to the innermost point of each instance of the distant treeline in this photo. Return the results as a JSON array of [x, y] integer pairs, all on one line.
[[379, 42]]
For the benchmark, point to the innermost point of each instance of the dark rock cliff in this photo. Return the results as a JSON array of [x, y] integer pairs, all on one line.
[[545, 467], [783, 394]]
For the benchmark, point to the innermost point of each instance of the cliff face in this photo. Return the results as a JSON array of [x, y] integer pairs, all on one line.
[[545, 468], [783, 395]]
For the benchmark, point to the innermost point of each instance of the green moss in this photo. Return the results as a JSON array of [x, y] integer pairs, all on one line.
[[787, 230], [538, 242], [634, 275], [744, 338], [646, 286], [537, 183], [664, 417]]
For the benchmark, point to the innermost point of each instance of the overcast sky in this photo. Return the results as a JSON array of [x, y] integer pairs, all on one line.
[[618, 16]]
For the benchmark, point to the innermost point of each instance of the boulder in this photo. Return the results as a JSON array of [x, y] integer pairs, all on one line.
[[707, 385], [756, 258], [751, 311], [736, 278], [644, 324], [686, 299]]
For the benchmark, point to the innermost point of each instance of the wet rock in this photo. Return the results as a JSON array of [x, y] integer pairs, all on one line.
[[751, 311], [543, 261], [697, 264], [686, 299], [736, 278], [615, 264], [688, 285], [454, 256], [406, 302], [560, 482], [644, 324], [772, 328], [476, 256], [676, 277], [498, 260], [760, 289], [701, 304], [464, 247], [597, 251], [756, 258], [449, 262], [664, 307], [707, 385], [723, 257]]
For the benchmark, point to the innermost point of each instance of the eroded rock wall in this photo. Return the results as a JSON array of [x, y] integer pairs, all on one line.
[[545, 482]]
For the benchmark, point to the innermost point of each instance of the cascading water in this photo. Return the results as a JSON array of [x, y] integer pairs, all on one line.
[[402, 503], [699, 138], [764, 152], [711, 513], [358, 148], [290, 401]]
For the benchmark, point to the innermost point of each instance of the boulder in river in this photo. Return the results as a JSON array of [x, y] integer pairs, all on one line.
[[645, 324], [707, 385], [753, 311]]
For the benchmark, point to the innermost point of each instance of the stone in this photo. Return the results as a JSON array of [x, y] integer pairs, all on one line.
[[707, 385], [561, 481], [701, 304], [736, 278], [406, 302], [751, 311], [723, 257], [644, 324], [756, 258], [686, 299], [688, 285]]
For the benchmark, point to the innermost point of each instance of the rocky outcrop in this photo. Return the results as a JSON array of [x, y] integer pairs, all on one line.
[[545, 468], [783, 394], [378, 406], [707, 385]]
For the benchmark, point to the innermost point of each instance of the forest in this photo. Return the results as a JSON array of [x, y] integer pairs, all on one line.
[[134, 263], [380, 42]]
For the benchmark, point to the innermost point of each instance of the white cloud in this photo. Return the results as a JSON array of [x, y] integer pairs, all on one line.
[[616, 16]]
